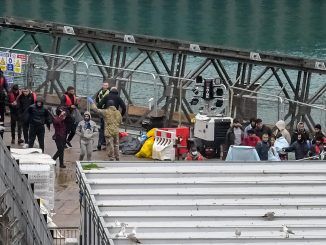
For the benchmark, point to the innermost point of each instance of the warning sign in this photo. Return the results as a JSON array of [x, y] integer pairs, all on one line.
[[18, 66], [23, 58], [3, 63], [10, 64]]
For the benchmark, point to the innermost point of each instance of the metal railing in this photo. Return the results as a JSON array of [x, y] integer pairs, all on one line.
[[30, 226], [61, 233], [280, 100]]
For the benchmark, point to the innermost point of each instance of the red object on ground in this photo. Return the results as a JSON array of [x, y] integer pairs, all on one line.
[[182, 134], [122, 134]]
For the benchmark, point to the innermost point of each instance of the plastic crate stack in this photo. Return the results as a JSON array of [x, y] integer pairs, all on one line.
[[41, 171]]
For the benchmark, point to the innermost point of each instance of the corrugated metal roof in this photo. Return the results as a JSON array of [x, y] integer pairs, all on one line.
[[207, 202]]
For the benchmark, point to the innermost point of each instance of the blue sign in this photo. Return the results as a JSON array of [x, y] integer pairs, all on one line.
[[10, 67]]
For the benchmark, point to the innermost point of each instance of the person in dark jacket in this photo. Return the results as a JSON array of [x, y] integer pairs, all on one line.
[[317, 133], [317, 147], [300, 147], [60, 134], [262, 147], [262, 129], [38, 116], [300, 130], [235, 135], [69, 101], [24, 101], [114, 96], [98, 99], [14, 117], [4, 90]]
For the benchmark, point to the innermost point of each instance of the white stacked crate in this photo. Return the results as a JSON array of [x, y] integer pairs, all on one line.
[[41, 171]]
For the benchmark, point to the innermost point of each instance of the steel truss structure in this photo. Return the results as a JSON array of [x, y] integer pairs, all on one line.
[[300, 81]]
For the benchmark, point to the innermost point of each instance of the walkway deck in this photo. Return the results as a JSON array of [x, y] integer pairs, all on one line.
[[66, 189]]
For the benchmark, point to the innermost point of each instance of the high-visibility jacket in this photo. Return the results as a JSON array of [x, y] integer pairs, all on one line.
[[69, 102]]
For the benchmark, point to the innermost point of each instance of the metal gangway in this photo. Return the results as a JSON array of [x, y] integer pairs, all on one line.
[[21, 221]]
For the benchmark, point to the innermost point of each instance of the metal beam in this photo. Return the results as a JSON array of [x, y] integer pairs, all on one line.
[[153, 43]]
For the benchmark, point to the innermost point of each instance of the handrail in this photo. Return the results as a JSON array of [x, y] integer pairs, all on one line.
[[61, 56], [21, 198], [279, 99], [136, 71]]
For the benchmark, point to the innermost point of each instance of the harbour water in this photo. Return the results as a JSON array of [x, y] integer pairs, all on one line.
[[280, 26]]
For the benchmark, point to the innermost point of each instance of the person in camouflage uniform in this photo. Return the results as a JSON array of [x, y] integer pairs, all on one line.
[[112, 120]]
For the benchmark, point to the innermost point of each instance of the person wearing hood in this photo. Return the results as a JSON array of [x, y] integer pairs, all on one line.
[[115, 97], [86, 129], [280, 128], [300, 147], [112, 120], [37, 117], [300, 130], [14, 118], [60, 134], [24, 101]]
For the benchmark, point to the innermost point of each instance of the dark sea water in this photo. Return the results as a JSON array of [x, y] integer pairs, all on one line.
[[294, 27]]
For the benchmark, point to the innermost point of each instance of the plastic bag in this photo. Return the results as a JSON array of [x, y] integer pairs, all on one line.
[[76, 115], [147, 148]]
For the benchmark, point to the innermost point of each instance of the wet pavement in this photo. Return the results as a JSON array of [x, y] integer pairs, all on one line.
[[66, 205]]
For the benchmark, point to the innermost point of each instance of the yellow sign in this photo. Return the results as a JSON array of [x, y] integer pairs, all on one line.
[[3, 64], [18, 66]]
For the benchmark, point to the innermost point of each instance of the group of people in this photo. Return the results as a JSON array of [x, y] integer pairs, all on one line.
[[29, 116], [275, 145]]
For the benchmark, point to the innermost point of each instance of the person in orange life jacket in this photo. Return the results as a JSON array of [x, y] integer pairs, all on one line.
[[38, 116], [25, 100], [14, 119], [194, 155], [98, 99], [4, 90], [69, 101]]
